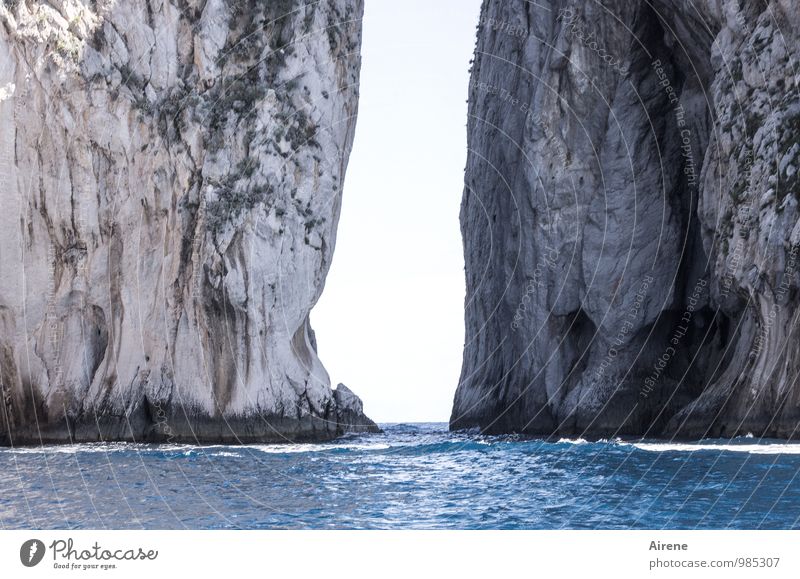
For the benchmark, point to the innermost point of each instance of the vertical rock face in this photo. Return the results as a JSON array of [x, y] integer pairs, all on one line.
[[630, 219], [171, 186]]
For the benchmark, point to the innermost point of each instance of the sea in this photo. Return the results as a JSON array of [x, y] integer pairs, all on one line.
[[412, 476]]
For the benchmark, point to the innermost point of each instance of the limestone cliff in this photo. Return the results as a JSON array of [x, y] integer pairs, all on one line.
[[630, 219], [171, 183]]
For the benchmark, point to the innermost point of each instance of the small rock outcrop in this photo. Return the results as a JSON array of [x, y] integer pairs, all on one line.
[[630, 219], [172, 177]]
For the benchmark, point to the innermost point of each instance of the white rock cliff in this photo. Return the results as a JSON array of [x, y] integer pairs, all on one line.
[[171, 184]]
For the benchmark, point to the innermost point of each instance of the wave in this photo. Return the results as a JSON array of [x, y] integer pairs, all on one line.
[[422, 443], [303, 448], [767, 448], [572, 441], [89, 448]]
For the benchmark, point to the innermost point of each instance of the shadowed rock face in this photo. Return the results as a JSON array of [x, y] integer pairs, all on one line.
[[172, 174], [630, 219]]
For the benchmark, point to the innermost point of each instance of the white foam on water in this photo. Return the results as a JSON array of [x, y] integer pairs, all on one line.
[[769, 448], [188, 450], [572, 441], [88, 448], [301, 448]]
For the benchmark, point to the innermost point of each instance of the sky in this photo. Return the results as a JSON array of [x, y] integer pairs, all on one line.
[[390, 322]]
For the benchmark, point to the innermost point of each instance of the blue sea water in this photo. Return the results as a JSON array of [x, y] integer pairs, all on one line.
[[413, 476]]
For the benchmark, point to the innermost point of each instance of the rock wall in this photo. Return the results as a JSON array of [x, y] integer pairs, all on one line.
[[630, 219], [171, 185]]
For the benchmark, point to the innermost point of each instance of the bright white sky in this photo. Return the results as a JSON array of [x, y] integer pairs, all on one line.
[[390, 322]]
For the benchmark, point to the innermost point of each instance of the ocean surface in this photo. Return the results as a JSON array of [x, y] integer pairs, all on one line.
[[413, 476]]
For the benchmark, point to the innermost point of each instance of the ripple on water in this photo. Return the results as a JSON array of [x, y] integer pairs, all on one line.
[[411, 476]]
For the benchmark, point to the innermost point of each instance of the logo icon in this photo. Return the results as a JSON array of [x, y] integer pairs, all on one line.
[[31, 553]]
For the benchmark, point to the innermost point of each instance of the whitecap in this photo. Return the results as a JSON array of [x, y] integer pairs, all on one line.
[[775, 448], [84, 448], [299, 448], [573, 441]]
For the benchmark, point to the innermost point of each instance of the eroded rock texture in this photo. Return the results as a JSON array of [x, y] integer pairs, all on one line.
[[171, 186], [630, 219]]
